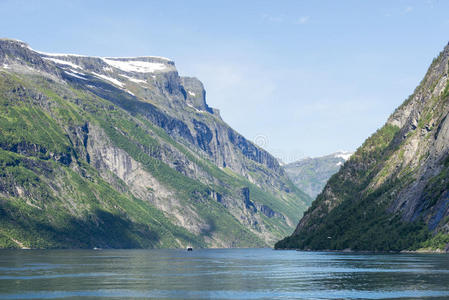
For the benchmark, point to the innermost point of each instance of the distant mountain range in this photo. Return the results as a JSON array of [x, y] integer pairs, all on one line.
[[393, 193], [311, 174], [125, 153]]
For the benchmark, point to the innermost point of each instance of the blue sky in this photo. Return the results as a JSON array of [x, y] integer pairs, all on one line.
[[302, 78]]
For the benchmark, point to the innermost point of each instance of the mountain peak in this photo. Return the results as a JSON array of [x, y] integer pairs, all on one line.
[[131, 151], [15, 41], [345, 155], [311, 174], [140, 64]]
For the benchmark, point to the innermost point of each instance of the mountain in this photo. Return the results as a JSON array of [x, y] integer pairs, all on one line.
[[311, 174], [393, 193], [125, 153]]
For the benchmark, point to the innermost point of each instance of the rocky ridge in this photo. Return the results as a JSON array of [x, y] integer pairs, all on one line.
[[129, 129], [393, 193]]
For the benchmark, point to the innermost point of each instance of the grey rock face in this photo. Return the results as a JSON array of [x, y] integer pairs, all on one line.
[[16, 54], [167, 102], [403, 167], [236, 180], [195, 94]]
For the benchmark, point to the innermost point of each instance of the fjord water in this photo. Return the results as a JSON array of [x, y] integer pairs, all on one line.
[[220, 274]]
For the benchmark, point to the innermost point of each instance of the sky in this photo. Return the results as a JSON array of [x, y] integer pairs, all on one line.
[[299, 78]]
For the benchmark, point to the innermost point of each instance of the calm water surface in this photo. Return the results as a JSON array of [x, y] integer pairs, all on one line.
[[220, 274]]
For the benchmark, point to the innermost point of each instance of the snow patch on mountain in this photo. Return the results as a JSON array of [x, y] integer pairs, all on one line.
[[74, 75], [136, 65], [76, 72], [196, 109], [344, 155], [58, 54], [62, 62], [110, 79], [133, 79]]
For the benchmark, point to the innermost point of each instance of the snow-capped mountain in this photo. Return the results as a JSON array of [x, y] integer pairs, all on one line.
[[124, 152], [311, 174]]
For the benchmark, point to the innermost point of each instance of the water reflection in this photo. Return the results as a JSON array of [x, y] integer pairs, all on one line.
[[221, 274]]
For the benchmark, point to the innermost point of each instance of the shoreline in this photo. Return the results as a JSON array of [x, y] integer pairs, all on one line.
[[419, 251]]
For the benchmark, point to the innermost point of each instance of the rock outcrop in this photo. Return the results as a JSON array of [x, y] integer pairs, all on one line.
[[393, 193], [123, 152]]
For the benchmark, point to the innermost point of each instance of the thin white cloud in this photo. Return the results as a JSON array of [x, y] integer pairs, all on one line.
[[303, 20], [283, 19], [408, 9], [273, 19]]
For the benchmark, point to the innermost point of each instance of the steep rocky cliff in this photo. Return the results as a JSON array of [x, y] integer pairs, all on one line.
[[311, 174], [123, 152], [393, 193]]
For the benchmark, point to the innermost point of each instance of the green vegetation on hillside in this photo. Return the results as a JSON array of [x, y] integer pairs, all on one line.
[[52, 195], [360, 222], [311, 174], [392, 194]]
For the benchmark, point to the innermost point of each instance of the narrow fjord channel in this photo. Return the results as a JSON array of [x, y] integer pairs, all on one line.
[[220, 274]]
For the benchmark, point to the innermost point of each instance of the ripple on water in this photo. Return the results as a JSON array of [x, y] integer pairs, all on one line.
[[220, 274]]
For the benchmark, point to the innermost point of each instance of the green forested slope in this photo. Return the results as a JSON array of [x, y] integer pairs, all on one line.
[[393, 193], [87, 163]]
